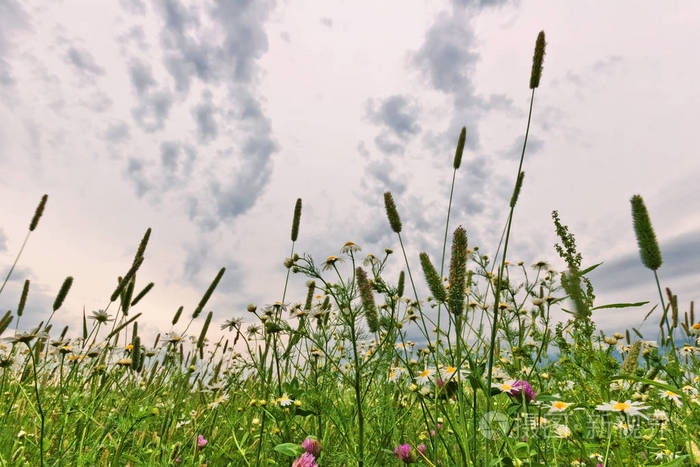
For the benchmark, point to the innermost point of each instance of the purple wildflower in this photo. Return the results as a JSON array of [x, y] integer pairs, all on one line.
[[201, 442], [403, 452], [306, 460], [521, 386], [312, 446]]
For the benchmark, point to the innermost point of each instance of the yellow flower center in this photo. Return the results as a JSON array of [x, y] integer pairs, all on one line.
[[670, 394], [424, 373], [450, 369], [621, 406], [560, 405], [506, 387]]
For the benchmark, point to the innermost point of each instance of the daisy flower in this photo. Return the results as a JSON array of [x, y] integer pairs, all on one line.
[[690, 390], [628, 407], [425, 376], [559, 406], [695, 329], [350, 247], [451, 372], [676, 398], [330, 262], [284, 401]]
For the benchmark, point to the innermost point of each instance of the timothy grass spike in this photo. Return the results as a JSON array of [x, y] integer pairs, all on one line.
[[62, 293], [207, 294], [458, 271], [457, 161], [23, 298], [433, 279], [37, 214], [142, 294], [367, 298], [646, 238], [392, 213], [296, 219], [537, 60]]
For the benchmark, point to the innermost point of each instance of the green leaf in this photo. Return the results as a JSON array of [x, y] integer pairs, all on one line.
[[619, 305], [587, 270], [289, 449]]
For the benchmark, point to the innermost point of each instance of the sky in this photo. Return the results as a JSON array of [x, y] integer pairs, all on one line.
[[206, 121]]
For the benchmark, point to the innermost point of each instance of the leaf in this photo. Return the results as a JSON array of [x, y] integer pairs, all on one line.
[[587, 270], [289, 449], [619, 305]]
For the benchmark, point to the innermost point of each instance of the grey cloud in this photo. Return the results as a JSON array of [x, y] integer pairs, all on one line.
[[328, 22], [199, 258], [398, 113], [479, 3], [447, 54], [153, 110], [12, 19], [515, 150], [362, 149], [136, 174], [388, 145], [681, 257], [117, 133], [397, 117], [203, 114], [84, 61], [3, 241], [244, 42], [169, 153], [380, 172], [141, 77], [98, 102], [136, 7], [607, 64]]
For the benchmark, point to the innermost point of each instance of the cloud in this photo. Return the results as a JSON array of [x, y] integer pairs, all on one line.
[[12, 19], [153, 110], [397, 117], [117, 133], [136, 7], [203, 114], [169, 154], [83, 61], [515, 150], [136, 173], [3, 241], [681, 256], [141, 77], [328, 22]]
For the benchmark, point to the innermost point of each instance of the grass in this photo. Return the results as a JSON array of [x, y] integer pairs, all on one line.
[[364, 371]]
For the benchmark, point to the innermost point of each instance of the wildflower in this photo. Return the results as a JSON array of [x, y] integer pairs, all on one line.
[[676, 398], [690, 390], [451, 372], [688, 350], [124, 362], [172, 338], [404, 453], [284, 401], [559, 406], [659, 416], [563, 431], [312, 446], [628, 407], [521, 386], [540, 265], [306, 460], [230, 324], [370, 260], [695, 329], [425, 376], [100, 316], [329, 263], [201, 442], [350, 247]]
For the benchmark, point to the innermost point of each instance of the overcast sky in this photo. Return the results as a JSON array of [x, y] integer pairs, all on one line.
[[207, 120]]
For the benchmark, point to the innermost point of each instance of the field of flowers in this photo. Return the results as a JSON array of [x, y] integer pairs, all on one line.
[[336, 379]]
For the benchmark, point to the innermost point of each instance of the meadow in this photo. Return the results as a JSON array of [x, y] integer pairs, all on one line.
[[336, 379]]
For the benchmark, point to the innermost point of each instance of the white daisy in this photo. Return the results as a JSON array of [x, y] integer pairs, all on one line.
[[628, 407], [676, 398], [559, 406], [425, 376]]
